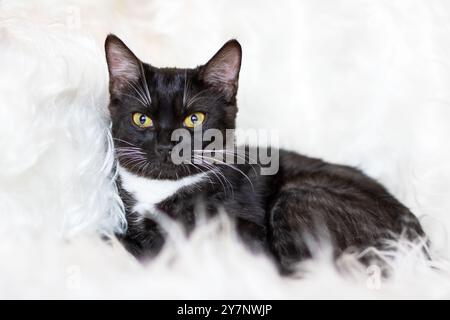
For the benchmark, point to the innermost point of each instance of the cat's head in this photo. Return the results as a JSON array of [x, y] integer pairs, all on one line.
[[147, 104]]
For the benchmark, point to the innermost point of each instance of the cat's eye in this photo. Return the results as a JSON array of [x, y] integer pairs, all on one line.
[[194, 120], [142, 120]]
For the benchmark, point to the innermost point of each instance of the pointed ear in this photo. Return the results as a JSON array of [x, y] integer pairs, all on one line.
[[222, 71], [123, 65]]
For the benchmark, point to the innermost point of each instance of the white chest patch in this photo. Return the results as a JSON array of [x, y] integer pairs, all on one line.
[[149, 192]]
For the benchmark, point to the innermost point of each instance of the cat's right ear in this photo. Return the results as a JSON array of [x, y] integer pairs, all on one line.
[[222, 70], [123, 66]]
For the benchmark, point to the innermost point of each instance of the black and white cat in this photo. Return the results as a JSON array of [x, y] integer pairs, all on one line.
[[275, 213]]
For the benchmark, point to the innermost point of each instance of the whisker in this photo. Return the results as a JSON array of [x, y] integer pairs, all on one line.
[[129, 150], [141, 95], [149, 99], [200, 169], [138, 164], [133, 160], [126, 156], [198, 96], [234, 168], [185, 88], [143, 167], [124, 141], [203, 171], [246, 159], [219, 175], [136, 98]]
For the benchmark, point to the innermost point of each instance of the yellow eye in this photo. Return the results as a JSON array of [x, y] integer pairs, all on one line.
[[141, 120], [194, 120]]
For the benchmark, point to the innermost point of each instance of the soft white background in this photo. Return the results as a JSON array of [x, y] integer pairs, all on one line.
[[360, 82]]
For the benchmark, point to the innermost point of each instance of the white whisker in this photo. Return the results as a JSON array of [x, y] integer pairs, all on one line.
[[246, 159], [216, 171], [232, 167], [145, 84], [141, 94]]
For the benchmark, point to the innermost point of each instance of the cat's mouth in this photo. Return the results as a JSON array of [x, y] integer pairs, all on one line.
[[162, 167]]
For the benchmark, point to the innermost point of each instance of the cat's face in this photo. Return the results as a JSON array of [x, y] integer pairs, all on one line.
[[148, 104]]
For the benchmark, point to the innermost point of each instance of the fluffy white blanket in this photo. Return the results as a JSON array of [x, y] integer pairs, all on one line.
[[360, 82]]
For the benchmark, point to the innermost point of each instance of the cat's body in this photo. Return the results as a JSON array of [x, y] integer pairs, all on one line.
[[279, 213], [307, 198]]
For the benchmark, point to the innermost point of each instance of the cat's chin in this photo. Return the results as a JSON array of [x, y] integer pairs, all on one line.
[[165, 171]]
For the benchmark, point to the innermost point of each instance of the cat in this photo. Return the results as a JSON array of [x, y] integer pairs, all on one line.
[[278, 214]]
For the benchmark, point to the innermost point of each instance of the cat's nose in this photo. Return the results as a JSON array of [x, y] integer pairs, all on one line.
[[164, 150]]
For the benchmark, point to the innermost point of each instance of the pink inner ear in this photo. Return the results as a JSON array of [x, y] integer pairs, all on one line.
[[224, 67], [122, 64]]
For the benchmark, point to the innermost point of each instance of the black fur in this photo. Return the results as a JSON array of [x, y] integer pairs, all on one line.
[[306, 199]]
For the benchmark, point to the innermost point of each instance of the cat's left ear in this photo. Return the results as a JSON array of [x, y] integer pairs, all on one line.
[[222, 70], [123, 66]]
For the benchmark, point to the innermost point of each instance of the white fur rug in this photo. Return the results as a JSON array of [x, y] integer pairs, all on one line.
[[360, 82]]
